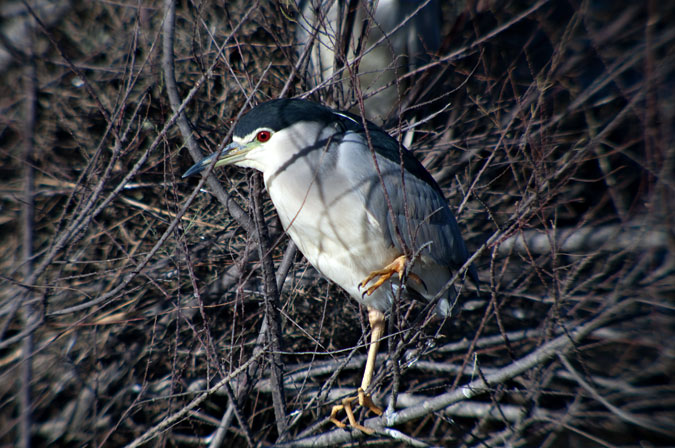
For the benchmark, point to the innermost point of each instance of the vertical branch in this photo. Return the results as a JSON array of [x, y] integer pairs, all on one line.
[[168, 69], [234, 209], [170, 77], [271, 309], [29, 311]]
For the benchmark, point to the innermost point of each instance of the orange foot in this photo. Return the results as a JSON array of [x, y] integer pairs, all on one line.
[[395, 267], [364, 400]]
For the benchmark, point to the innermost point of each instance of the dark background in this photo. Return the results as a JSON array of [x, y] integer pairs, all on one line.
[[557, 154]]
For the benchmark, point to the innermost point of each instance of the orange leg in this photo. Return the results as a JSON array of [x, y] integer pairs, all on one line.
[[376, 319]]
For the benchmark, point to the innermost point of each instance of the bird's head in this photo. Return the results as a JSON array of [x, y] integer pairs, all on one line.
[[272, 132]]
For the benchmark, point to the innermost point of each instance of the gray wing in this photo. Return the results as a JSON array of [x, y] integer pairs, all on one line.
[[419, 213], [422, 217]]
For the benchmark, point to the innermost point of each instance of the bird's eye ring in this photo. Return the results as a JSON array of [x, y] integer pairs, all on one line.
[[263, 136]]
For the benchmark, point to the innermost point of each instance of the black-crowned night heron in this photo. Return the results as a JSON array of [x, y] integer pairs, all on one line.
[[358, 214], [402, 36]]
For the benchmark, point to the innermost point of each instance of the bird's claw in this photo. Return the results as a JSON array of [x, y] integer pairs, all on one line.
[[395, 267], [364, 400]]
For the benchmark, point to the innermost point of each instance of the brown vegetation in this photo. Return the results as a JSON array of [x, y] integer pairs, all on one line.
[[131, 306]]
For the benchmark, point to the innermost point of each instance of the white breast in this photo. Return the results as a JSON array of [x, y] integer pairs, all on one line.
[[329, 221]]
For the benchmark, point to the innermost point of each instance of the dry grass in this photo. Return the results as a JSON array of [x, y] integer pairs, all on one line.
[[557, 152]]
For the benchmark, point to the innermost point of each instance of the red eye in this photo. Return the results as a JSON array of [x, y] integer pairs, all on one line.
[[263, 136]]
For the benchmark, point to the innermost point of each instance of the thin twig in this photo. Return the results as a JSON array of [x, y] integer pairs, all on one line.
[[185, 410], [274, 340], [30, 313], [561, 344]]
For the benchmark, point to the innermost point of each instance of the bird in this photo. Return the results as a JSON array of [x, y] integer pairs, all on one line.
[[402, 36], [360, 207]]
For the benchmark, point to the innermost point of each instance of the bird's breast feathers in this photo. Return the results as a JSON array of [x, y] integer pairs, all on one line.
[[330, 224]]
